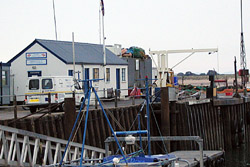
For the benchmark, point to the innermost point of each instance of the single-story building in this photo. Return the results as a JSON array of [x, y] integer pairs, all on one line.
[[4, 84], [55, 58]]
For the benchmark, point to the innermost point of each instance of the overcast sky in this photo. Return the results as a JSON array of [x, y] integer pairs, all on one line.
[[154, 24]]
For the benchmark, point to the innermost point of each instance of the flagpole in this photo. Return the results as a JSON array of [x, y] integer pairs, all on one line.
[[104, 48], [100, 24], [103, 36]]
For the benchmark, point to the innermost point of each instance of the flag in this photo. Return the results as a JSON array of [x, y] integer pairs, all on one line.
[[102, 7]]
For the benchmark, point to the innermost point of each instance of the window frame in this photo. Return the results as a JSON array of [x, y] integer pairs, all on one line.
[[96, 74], [43, 83], [4, 78], [107, 74], [123, 74], [70, 73], [36, 88]]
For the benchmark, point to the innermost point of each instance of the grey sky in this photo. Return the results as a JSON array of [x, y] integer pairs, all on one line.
[[154, 24]]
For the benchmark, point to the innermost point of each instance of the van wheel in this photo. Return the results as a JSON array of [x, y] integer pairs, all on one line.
[[33, 109]]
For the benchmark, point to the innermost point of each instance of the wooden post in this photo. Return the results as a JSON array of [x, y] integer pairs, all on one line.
[[96, 102], [49, 101], [15, 109], [165, 114], [116, 94], [69, 116]]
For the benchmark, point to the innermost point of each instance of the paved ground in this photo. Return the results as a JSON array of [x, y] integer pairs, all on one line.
[[6, 112]]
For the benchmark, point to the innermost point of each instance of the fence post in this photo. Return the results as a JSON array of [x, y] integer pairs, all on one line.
[[15, 109], [116, 97]]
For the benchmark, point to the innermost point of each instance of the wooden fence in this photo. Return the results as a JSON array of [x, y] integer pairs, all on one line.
[[221, 123]]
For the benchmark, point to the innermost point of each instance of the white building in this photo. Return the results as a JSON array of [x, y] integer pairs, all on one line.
[[54, 58]]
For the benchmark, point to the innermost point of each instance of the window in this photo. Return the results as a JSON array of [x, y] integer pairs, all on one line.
[[4, 78], [137, 64], [70, 72], [123, 74], [95, 73], [107, 74], [47, 84], [34, 84]]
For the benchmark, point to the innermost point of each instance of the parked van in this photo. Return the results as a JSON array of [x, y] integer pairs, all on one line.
[[59, 87]]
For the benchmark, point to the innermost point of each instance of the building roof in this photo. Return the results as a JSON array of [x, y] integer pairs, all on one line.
[[85, 53]]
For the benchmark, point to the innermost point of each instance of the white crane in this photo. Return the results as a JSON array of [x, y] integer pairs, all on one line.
[[162, 66]]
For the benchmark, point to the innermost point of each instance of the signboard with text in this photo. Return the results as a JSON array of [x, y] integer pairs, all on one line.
[[36, 55], [36, 61], [36, 58]]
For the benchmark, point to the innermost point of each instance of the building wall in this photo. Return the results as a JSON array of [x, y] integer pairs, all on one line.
[[54, 67], [112, 83], [145, 69]]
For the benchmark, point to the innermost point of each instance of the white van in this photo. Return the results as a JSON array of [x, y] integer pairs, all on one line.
[[60, 87]]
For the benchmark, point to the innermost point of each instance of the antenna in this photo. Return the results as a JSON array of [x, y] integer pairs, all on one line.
[[55, 18]]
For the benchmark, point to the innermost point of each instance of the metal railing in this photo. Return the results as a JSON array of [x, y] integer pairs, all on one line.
[[24, 148], [197, 139]]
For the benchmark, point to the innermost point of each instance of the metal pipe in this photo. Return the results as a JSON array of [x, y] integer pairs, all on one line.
[[139, 127], [131, 132], [85, 126], [148, 117], [201, 153]]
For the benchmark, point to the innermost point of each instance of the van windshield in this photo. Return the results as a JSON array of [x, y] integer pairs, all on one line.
[[33, 84], [47, 84]]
